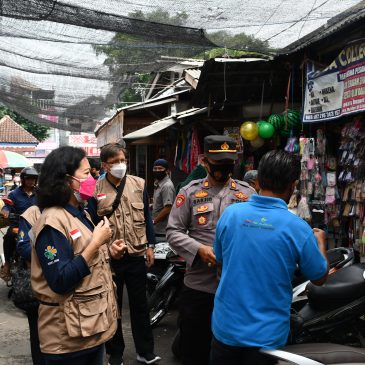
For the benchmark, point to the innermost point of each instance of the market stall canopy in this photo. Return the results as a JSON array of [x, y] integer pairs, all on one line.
[[13, 160], [66, 63], [161, 124]]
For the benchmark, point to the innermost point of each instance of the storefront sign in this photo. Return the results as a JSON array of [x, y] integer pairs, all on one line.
[[337, 90]]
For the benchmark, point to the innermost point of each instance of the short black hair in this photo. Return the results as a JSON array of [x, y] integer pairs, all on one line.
[[54, 189], [278, 170], [111, 150], [94, 163]]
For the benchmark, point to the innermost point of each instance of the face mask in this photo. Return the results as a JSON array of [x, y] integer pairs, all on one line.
[[118, 170], [87, 187], [221, 173], [159, 175]]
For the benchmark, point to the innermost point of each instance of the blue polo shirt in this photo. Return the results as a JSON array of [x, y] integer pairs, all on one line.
[[259, 244]]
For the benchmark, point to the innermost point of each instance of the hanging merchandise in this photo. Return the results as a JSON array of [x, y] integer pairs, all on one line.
[[351, 180], [195, 149], [277, 121], [257, 143], [266, 130], [249, 131]]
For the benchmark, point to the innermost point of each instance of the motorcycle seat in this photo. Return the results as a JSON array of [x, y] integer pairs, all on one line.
[[341, 288], [328, 353]]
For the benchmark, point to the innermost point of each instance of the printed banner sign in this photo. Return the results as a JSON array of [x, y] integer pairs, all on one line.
[[337, 90]]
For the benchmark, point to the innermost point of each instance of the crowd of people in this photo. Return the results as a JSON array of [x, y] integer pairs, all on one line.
[[86, 234]]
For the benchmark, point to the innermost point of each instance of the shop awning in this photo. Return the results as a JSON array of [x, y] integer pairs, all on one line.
[[164, 123]]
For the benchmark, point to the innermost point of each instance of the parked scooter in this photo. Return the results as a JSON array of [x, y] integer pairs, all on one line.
[[338, 259], [163, 286], [335, 311], [318, 354]]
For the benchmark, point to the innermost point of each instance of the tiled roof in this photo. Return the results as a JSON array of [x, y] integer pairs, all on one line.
[[12, 132]]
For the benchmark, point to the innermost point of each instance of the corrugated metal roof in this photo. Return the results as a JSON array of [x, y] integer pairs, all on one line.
[[334, 25], [164, 123]]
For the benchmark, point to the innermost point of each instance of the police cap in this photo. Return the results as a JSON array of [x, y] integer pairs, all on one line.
[[218, 147]]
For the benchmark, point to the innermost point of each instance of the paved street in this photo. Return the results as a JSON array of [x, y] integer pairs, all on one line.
[[14, 334]]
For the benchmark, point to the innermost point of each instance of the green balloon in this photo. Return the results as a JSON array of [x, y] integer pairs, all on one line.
[[266, 130]]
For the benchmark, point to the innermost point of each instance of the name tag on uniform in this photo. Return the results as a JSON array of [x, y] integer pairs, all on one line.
[[75, 233], [101, 196]]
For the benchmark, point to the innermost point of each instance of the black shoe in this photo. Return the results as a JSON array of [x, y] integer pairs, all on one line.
[[148, 358], [115, 359]]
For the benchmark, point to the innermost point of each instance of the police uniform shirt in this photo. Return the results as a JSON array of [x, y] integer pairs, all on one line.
[[61, 268], [192, 222]]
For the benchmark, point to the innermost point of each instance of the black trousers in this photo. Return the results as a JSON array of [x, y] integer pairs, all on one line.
[[222, 354], [9, 245], [132, 271], [37, 356], [91, 358], [195, 325]]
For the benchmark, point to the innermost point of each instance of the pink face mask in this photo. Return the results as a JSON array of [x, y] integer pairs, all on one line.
[[87, 187]]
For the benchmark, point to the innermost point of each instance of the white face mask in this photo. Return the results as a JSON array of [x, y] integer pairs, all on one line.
[[118, 170]]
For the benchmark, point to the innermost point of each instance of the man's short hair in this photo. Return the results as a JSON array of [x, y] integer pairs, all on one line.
[[278, 170], [111, 150], [94, 163], [250, 176]]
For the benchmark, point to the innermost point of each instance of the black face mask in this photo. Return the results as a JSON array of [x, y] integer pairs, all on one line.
[[159, 175], [221, 173]]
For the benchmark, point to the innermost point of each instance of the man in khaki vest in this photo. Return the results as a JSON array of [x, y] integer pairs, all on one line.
[[131, 221]]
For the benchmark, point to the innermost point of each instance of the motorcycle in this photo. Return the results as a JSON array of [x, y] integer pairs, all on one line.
[[318, 354], [164, 283], [338, 259], [334, 311]]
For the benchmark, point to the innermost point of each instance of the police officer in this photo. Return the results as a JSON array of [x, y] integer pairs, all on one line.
[[191, 232]]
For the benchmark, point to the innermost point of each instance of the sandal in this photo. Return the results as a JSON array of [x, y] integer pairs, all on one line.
[[5, 275]]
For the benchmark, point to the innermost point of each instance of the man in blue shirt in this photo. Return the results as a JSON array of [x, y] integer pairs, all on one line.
[[259, 244]]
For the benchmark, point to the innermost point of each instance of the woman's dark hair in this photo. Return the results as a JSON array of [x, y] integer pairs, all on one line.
[[54, 189], [111, 150], [278, 170]]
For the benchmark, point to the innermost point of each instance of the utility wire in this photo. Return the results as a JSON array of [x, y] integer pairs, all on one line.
[[300, 32], [271, 15], [301, 19]]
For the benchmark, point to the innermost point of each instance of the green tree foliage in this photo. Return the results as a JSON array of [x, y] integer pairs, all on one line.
[[161, 16], [240, 41], [134, 54], [38, 131]]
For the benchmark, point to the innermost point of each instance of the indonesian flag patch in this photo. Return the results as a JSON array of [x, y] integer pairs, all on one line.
[[75, 233], [101, 196]]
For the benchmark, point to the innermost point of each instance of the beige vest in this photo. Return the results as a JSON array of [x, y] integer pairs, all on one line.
[[127, 222], [85, 317], [31, 214]]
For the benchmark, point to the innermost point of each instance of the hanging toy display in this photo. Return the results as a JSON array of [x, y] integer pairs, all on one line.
[[294, 120], [266, 130], [276, 120], [257, 143], [249, 131]]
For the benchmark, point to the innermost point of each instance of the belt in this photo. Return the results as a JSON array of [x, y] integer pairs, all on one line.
[[160, 235], [48, 303]]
